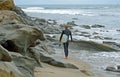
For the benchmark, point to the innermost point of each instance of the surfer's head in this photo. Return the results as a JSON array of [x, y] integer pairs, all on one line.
[[66, 26]]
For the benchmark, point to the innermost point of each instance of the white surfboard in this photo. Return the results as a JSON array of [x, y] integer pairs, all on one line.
[[64, 38]]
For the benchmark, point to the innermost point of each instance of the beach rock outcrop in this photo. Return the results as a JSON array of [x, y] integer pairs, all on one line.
[[97, 26], [46, 58], [9, 69], [4, 55], [20, 40], [10, 17], [72, 23], [91, 46], [86, 26], [25, 64], [6, 4], [113, 69]]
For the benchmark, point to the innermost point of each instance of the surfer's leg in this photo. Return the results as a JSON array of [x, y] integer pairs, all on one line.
[[66, 49]]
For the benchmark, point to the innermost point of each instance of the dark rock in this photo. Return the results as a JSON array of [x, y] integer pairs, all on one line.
[[75, 18], [113, 69], [53, 22], [86, 26], [118, 30], [118, 67], [72, 23], [97, 26], [110, 68], [112, 44]]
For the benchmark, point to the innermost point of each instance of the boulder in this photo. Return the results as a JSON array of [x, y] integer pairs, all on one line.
[[46, 58], [4, 55], [27, 19], [110, 68], [22, 39], [86, 26], [72, 23], [112, 44], [6, 4], [8, 69], [24, 64], [10, 17], [113, 69], [91, 46], [97, 26]]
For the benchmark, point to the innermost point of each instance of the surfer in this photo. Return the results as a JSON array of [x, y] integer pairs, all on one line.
[[68, 33]]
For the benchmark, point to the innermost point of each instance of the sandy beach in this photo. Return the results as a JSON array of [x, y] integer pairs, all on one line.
[[84, 70]]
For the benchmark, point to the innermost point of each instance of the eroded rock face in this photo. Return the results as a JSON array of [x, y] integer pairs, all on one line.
[[8, 69], [6, 4], [22, 39], [10, 17], [4, 55]]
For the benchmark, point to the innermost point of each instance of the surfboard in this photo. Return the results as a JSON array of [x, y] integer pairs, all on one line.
[[64, 38]]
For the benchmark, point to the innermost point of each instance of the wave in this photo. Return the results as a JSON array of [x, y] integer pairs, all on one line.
[[35, 8], [58, 11]]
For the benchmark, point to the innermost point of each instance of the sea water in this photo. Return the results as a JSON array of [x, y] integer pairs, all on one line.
[[107, 15]]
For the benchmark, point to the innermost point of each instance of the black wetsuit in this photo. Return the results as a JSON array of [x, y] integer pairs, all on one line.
[[66, 44]]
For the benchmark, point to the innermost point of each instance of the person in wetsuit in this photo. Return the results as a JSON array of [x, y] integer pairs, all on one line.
[[66, 44]]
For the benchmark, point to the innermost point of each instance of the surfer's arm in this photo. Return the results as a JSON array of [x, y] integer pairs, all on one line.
[[71, 36], [61, 36]]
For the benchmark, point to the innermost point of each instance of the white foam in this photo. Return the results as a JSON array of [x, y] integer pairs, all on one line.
[[34, 8], [57, 11]]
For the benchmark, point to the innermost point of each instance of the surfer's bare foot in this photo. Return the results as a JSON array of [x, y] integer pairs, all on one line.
[[66, 58]]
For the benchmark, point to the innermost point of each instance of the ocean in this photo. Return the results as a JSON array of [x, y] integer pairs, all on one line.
[[107, 15]]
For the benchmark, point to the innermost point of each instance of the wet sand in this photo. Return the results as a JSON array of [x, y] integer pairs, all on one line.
[[84, 70]]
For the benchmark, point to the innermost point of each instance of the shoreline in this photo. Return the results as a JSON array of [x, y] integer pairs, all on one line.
[[84, 70]]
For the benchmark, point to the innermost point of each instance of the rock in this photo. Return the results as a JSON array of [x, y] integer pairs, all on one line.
[[75, 18], [10, 17], [8, 69], [118, 67], [6, 4], [46, 58], [24, 64], [72, 23], [23, 38], [112, 44], [110, 68], [53, 22], [97, 37], [4, 55], [113, 69], [108, 38], [118, 30], [48, 27], [32, 21], [91, 46], [86, 26], [27, 19], [97, 26]]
